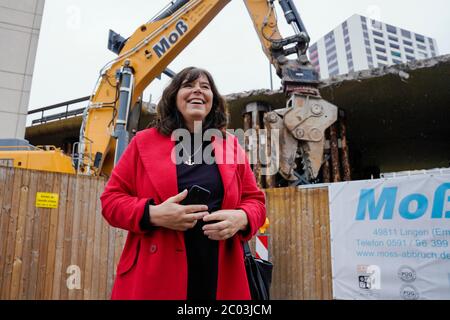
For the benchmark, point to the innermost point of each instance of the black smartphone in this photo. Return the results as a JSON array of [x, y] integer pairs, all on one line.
[[197, 195]]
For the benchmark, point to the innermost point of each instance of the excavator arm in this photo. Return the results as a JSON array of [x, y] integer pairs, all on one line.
[[145, 56], [148, 52], [142, 58], [303, 122]]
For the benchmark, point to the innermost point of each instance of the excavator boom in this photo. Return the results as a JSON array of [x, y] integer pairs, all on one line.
[[145, 55]]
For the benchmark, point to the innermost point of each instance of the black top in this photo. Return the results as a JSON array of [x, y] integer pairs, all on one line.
[[201, 252]]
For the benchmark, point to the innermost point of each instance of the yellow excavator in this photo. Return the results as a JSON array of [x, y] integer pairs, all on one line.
[[146, 54]]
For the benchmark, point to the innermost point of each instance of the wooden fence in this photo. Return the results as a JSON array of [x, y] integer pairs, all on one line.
[[64, 253], [71, 252], [299, 243]]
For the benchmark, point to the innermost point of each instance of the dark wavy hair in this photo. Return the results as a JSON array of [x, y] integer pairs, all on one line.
[[168, 116]]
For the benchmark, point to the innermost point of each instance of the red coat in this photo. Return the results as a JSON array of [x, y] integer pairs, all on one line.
[[153, 264]]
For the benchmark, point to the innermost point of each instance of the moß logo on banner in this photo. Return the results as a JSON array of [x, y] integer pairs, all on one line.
[[390, 238]]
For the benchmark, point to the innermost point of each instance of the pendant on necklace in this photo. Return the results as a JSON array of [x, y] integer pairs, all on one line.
[[189, 162]]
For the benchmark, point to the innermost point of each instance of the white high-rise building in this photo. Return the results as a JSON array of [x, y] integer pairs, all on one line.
[[361, 43], [20, 24]]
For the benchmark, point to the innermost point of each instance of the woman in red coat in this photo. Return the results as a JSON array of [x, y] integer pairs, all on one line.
[[176, 251]]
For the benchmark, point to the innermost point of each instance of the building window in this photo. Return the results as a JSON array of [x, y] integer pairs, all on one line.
[[391, 29], [378, 34], [421, 47], [409, 58], [406, 34], [331, 50], [350, 65], [380, 57], [378, 41], [334, 72], [334, 69], [348, 47], [364, 26], [347, 39], [368, 51], [396, 61], [409, 50], [380, 49], [349, 56], [392, 38], [377, 25], [331, 60], [314, 56], [408, 43], [381, 64], [430, 41], [420, 38], [329, 44], [423, 54], [393, 45], [367, 42], [396, 54], [363, 19], [329, 35]]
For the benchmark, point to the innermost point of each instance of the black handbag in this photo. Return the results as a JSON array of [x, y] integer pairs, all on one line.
[[259, 275]]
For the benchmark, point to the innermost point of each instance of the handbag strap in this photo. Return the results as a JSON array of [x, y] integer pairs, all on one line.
[[247, 252]]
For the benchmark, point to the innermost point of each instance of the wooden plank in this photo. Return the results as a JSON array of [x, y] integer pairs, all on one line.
[[84, 214], [103, 260], [326, 245], [115, 244], [11, 236], [28, 238], [43, 245], [90, 240], [95, 294], [67, 244], [278, 255], [76, 241], [6, 193], [271, 201], [317, 245], [20, 234], [305, 245], [52, 235], [291, 233], [119, 244], [38, 214], [59, 245], [297, 227], [110, 261]]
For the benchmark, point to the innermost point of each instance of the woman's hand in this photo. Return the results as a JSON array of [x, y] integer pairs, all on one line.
[[172, 215], [229, 222]]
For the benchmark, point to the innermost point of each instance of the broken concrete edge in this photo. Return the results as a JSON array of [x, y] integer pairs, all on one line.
[[402, 70]]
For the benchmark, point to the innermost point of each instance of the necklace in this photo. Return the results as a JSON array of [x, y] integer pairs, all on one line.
[[190, 162]]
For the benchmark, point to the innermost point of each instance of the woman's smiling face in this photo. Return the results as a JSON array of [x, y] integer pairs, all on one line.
[[194, 100]]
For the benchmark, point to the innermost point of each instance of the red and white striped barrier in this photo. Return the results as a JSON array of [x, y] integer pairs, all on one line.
[[262, 247]]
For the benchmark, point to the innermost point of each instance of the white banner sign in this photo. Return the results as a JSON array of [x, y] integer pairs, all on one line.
[[390, 238]]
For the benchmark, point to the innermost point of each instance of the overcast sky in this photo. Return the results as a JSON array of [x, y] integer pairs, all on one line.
[[73, 41]]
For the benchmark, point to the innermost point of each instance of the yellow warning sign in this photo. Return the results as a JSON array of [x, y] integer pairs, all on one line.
[[47, 200]]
